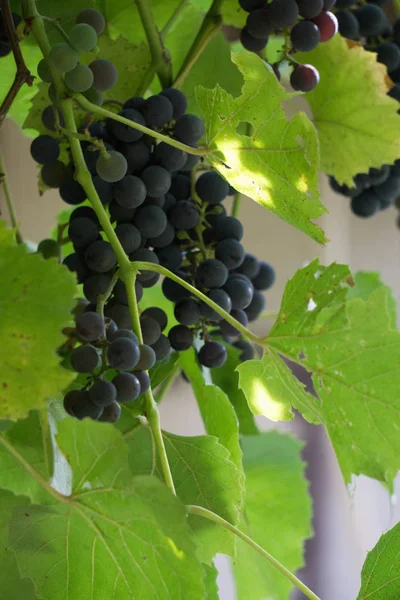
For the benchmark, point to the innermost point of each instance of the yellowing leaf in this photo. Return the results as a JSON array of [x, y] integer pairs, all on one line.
[[277, 163], [358, 125]]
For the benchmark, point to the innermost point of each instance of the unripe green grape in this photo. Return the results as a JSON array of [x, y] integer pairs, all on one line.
[[63, 57], [83, 37], [94, 96], [79, 79], [92, 17], [112, 167], [44, 71]]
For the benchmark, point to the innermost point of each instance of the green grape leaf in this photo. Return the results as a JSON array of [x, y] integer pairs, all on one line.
[[162, 369], [21, 445], [274, 478], [227, 378], [203, 475], [217, 412], [12, 586], [21, 104], [349, 343], [277, 163], [37, 299], [233, 14], [352, 113], [380, 577], [115, 536], [210, 582]]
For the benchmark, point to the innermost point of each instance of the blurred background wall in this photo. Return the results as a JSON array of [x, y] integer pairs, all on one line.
[[347, 522]]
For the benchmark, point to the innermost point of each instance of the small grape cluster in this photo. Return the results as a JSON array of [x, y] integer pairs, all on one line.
[[104, 349], [379, 188], [5, 44], [304, 23]]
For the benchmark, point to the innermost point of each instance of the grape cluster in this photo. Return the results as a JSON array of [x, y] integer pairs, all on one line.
[[115, 364], [5, 44], [379, 188], [304, 23]]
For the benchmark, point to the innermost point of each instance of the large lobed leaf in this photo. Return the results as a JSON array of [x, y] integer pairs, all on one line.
[[352, 349], [277, 163], [35, 305], [115, 537], [357, 123], [274, 479]]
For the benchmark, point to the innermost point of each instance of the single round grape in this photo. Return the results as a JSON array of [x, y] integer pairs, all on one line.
[[49, 118], [211, 273], [310, 8], [45, 149], [120, 314], [251, 43], [82, 232], [214, 213], [151, 281], [283, 13], [372, 20], [180, 337], [348, 25], [304, 78], [78, 404], [79, 79], [366, 204], [246, 350], [151, 221], [249, 267], [180, 187], [189, 129], [157, 180], [83, 37], [256, 306], [144, 381], [124, 333], [240, 290], [157, 111], [221, 298], [129, 237], [151, 330], [170, 257], [75, 263], [94, 286], [90, 326], [63, 57], [161, 347], [120, 213], [327, 24], [389, 190], [191, 161], [127, 387], [169, 157], [49, 249], [102, 393], [388, 54], [164, 240], [100, 257], [147, 358], [123, 354], [230, 330], [137, 155], [158, 314], [92, 17], [130, 191], [55, 173], [174, 291], [259, 25], [84, 359], [125, 133], [229, 228], [305, 36], [212, 355], [177, 99], [230, 252], [105, 74], [136, 102], [94, 96], [104, 189], [112, 167], [110, 413], [265, 277], [378, 176], [211, 187], [5, 48], [187, 312], [43, 70], [184, 215]]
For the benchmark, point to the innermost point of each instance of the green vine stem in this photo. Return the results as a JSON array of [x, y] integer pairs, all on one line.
[[83, 176], [236, 204], [211, 25], [9, 202], [146, 266], [173, 18], [208, 514], [161, 64], [155, 134]]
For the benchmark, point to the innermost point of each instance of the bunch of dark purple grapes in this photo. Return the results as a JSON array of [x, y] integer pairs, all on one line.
[[304, 23], [379, 188]]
